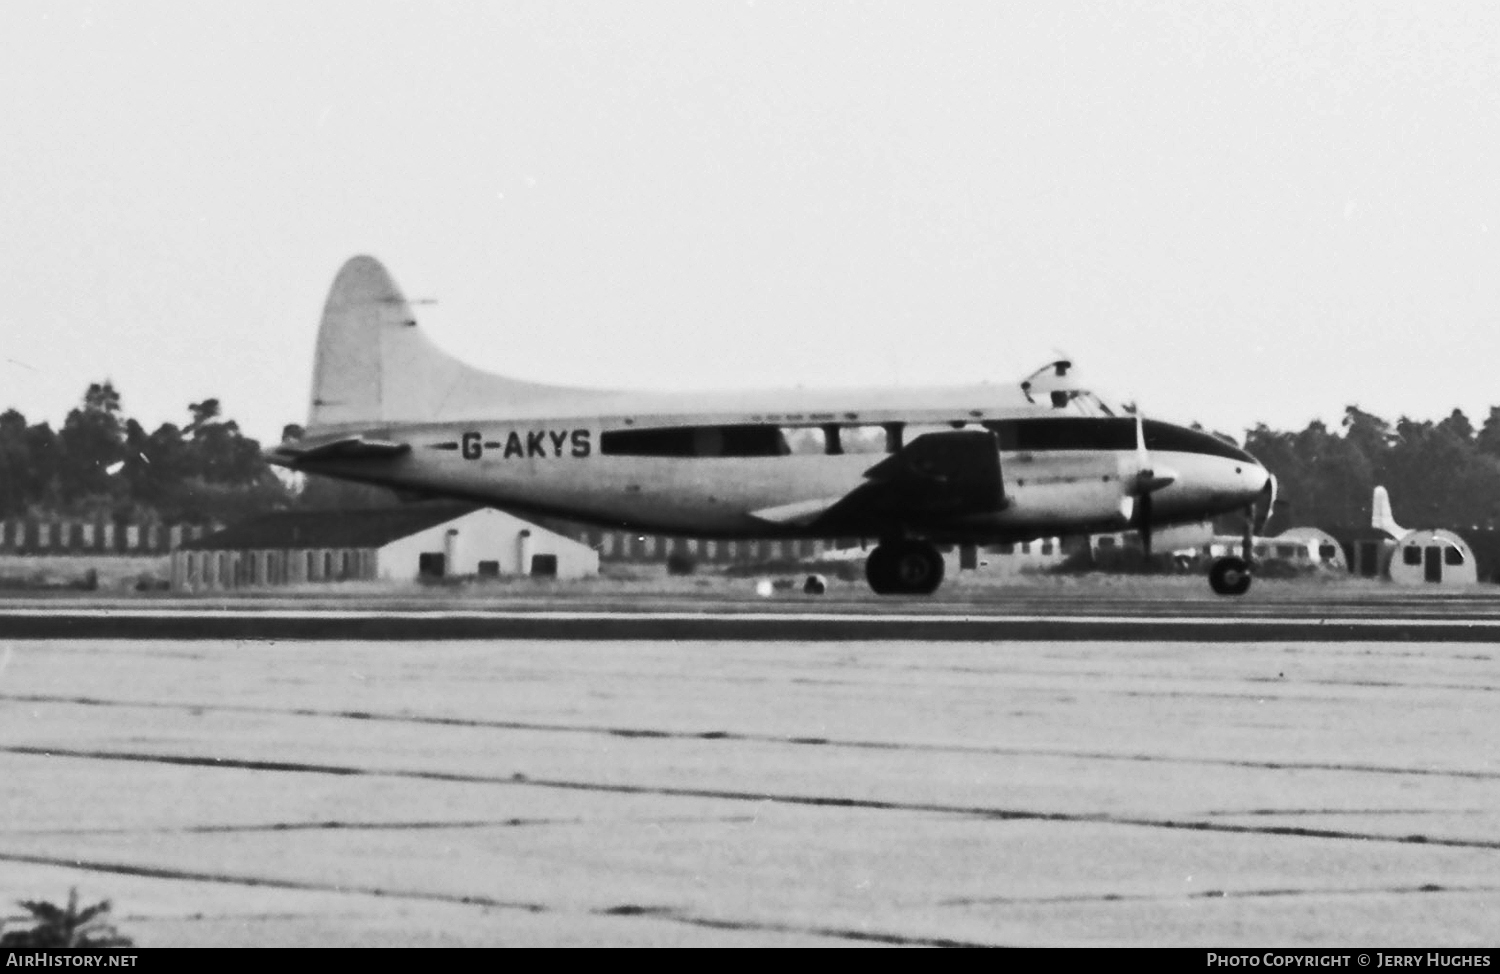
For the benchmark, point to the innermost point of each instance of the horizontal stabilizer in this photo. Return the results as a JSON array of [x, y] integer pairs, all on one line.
[[345, 448]]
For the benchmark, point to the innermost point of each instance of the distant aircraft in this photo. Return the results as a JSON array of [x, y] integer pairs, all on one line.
[[915, 468]]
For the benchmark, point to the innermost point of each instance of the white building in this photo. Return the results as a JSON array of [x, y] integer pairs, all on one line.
[[1303, 547], [1313, 546], [392, 544], [1432, 555], [1423, 556]]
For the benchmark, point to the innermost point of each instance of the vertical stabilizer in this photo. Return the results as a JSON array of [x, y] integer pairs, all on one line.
[[1380, 514], [373, 365], [363, 305]]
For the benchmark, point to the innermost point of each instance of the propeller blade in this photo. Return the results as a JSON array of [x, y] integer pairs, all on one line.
[[1144, 512], [1148, 477], [1265, 504]]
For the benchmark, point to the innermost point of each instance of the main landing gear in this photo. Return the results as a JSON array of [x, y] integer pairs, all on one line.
[[904, 567]]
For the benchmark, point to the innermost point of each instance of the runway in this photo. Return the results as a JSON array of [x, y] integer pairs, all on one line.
[[1023, 614], [535, 791]]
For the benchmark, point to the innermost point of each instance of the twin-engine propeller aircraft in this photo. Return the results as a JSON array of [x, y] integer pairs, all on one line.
[[915, 468]]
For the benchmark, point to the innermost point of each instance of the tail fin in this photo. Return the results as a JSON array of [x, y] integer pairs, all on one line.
[[1380, 513], [373, 365]]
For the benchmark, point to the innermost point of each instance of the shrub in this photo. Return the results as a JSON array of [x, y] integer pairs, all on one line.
[[71, 927]]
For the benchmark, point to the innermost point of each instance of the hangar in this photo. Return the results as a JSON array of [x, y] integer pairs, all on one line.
[[1305, 546], [409, 543], [1432, 555]]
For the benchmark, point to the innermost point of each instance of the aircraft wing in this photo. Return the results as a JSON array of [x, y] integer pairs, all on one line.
[[345, 448], [935, 476]]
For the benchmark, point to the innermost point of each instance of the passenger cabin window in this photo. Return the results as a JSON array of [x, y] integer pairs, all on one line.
[[696, 441], [1327, 552], [757, 440], [1411, 555]]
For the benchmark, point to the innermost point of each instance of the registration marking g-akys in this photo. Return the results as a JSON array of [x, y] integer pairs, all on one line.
[[530, 444]]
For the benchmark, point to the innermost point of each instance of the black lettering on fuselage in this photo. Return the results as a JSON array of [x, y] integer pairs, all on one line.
[[526, 444]]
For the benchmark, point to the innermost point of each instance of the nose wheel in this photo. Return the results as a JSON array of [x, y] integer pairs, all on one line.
[[1229, 576], [904, 567]]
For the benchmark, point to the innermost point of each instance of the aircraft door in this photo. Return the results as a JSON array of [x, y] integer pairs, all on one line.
[[1433, 563]]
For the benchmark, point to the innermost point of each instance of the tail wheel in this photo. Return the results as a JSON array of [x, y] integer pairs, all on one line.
[[1229, 576]]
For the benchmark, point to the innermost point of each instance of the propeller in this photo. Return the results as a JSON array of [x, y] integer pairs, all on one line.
[[1265, 504], [1148, 480]]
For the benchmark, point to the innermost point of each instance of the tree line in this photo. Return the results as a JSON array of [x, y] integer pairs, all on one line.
[[101, 464], [1439, 474]]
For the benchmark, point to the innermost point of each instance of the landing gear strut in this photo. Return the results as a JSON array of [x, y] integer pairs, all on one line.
[[904, 567], [1231, 575]]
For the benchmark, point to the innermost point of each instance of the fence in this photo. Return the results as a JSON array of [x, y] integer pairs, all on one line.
[[68, 537], [632, 546]]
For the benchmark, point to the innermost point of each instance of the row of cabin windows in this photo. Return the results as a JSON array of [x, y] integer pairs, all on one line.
[[1028, 547], [1014, 435]]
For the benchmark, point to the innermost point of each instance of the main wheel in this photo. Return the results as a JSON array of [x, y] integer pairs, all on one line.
[[905, 568], [1229, 576], [878, 571]]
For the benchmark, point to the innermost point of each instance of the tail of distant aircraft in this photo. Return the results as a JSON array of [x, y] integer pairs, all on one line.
[[1380, 514], [373, 365]]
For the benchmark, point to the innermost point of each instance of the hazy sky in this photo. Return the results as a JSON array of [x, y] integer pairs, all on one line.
[[1231, 212]]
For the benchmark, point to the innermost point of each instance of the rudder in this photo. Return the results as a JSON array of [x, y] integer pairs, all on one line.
[[373, 366], [348, 374]]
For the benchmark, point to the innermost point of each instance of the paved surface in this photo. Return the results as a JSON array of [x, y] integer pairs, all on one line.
[[1183, 792], [1165, 610]]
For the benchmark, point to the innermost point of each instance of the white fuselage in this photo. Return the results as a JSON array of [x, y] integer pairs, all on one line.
[[564, 465]]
